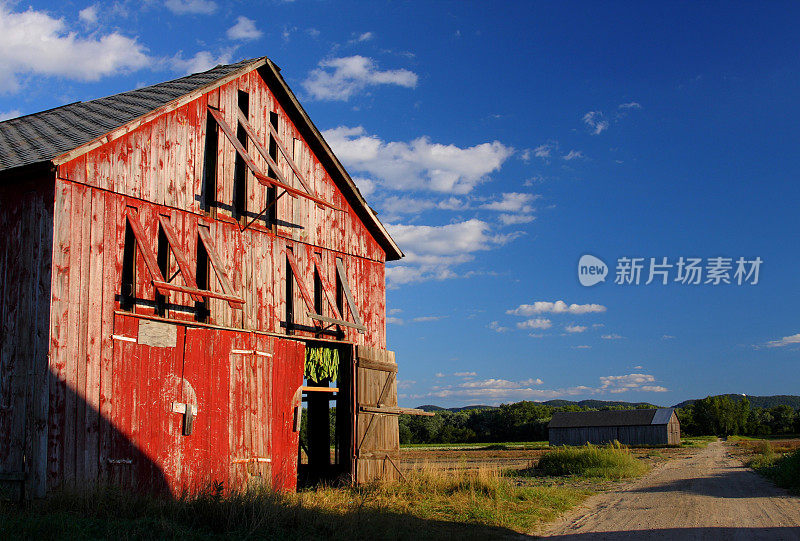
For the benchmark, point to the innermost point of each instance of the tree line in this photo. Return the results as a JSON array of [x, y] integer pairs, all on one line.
[[527, 421]]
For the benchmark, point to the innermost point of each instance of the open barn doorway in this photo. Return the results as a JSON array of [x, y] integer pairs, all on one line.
[[326, 430]]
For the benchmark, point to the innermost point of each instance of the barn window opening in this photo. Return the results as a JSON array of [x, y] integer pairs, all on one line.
[[272, 191], [202, 313], [128, 291], [162, 258], [240, 167], [317, 296], [209, 201], [289, 295], [340, 303]]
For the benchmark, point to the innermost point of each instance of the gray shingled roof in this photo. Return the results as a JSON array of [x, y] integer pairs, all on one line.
[[40, 137], [641, 417]]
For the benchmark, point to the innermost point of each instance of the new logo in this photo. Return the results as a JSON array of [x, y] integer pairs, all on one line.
[[591, 270]]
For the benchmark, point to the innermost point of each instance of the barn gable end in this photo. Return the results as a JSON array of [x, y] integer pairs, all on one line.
[[202, 237]]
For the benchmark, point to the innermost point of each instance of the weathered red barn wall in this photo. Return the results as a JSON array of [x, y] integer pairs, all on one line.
[[97, 427], [26, 225]]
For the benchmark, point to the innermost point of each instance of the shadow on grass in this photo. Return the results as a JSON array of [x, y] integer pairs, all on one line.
[[113, 514]]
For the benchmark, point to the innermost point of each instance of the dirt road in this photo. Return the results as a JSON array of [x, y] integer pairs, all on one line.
[[708, 495]]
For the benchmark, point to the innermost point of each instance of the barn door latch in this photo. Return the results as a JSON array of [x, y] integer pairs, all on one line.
[[189, 413]]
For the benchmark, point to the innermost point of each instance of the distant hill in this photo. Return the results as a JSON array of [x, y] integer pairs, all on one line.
[[765, 402], [755, 402]]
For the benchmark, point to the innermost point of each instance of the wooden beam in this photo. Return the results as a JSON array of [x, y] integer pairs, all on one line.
[[302, 285], [343, 323], [219, 268], [347, 294], [377, 365], [183, 264], [195, 292], [265, 154], [149, 259], [326, 287], [307, 389], [390, 410], [261, 177]]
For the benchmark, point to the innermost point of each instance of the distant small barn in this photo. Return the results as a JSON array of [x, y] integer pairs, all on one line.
[[631, 427]]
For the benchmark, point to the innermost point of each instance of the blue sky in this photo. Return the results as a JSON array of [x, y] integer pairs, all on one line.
[[500, 143]]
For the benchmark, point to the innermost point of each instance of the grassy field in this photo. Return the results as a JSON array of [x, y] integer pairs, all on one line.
[[510, 445], [432, 503], [697, 441]]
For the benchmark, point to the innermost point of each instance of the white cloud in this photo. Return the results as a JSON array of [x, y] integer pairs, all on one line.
[[424, 319], [513, 202], [366, 36], [498, 389], [629, 382], [184, 7], [785, 341], [201, 61], [88, 14], [495, 326], [419, 164], [34, 42], [543, 151], [514, 219], [667, 337], [465, 374], [572, 155], [582, 347], [244, 29], [612, 337], [537, 323], [575, 328], [432, 251], [338, 79], [394, 320], [594, 120], [6, 115], [558, 307], [630, 105]]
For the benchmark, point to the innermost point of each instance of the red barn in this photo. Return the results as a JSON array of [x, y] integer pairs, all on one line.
[[167, 257]]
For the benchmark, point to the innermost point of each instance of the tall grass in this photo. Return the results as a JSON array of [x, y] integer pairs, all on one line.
[[612, 461], [430, 504], [784, 469]]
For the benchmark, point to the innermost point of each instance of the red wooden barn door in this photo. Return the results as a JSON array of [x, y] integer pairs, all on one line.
[[139, 448], [287, 368], [205, 452]]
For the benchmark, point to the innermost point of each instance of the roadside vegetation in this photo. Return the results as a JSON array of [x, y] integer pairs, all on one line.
[[429, 504], [613, 461], [777, 460]]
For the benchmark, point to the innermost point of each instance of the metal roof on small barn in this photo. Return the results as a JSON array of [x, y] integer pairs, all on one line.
[[43, 136], [637, 417]]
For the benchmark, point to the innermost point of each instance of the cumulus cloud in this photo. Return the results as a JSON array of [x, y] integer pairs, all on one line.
[[558, 307], [88, 14], [338, 79], [419, 164], [667, 337], [612, 337], [513, 202], [499, 389], [201, 61], [193, 7], [536, 323], [785, 341], [394, 320], [244, 29], [465, 374], [595, 121], [424, 319], [433, 251], [33, 42], [629, 382], [575, 328], [572, 155]]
